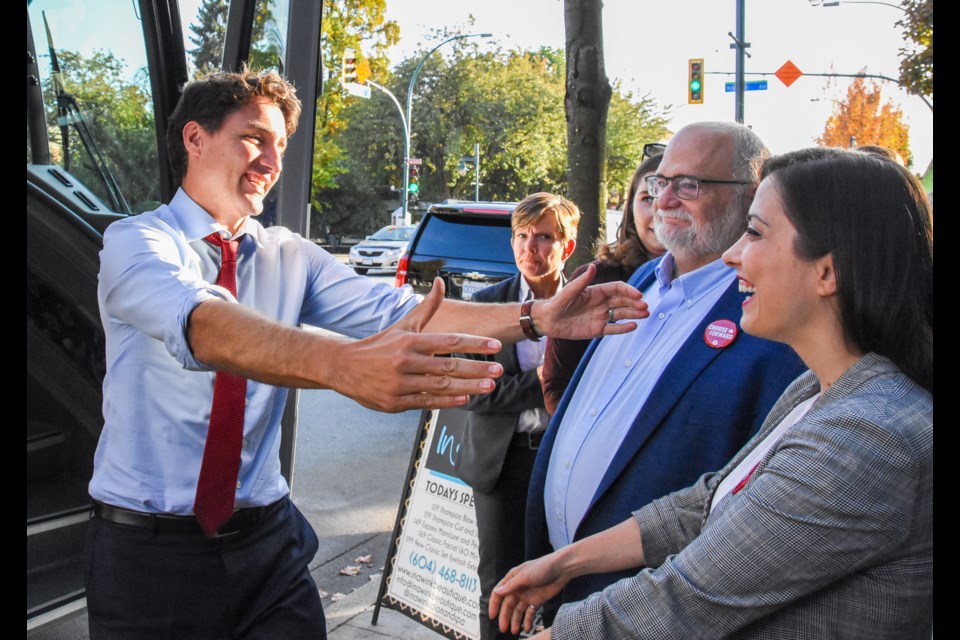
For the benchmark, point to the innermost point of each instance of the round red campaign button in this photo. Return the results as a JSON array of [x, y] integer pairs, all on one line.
[[720, 333]]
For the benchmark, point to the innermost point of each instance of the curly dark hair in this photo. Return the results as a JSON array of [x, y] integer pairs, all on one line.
[[209, 100]]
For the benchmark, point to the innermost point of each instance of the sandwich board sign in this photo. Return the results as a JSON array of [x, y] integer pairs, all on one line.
[[431, 569]]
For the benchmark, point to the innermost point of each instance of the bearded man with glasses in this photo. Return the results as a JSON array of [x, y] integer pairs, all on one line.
[[649, 413]]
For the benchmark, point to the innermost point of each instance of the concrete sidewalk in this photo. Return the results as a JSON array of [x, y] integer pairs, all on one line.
[[350, 618], [347, 619]]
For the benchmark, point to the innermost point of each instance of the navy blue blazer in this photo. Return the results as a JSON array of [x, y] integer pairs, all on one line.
[[702, 410]]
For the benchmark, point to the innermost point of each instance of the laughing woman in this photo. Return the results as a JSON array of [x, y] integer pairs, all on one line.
[[821, 527]]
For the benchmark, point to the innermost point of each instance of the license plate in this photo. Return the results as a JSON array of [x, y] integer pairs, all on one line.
[[367, 262], [470, 287]]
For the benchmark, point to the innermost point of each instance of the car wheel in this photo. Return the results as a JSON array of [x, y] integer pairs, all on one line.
[[361, 270]]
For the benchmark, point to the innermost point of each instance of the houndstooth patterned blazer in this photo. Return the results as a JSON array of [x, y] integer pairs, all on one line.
[[831, 538]]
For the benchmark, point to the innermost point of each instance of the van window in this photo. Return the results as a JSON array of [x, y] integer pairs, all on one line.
[[470, 239]]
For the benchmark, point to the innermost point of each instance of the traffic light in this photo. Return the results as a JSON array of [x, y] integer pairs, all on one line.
[[695, 81], [414, 185], [348, 68]]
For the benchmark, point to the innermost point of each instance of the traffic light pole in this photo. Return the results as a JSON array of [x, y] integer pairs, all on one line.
[[403, 120], [409, 120], [406, 138], [476, 172]]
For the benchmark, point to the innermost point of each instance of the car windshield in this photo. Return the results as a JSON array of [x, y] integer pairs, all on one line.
[[394, 233]]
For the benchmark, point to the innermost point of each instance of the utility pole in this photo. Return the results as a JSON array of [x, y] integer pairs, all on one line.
[[741, 47]]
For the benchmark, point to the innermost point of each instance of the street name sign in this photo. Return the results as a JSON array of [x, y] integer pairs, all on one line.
[[754, 85]]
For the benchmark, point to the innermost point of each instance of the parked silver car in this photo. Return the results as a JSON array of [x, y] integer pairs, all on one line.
[[382, 250]]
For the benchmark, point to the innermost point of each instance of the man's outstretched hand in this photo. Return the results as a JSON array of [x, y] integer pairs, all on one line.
[[582, 311], [395, 370]]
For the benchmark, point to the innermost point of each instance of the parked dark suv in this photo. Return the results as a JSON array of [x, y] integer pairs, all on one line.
[[465, 243]]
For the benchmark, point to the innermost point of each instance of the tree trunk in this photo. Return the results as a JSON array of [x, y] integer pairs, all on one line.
[[586, 103]]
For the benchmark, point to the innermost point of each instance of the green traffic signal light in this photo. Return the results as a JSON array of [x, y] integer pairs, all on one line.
[[413, 187], [695, 81]]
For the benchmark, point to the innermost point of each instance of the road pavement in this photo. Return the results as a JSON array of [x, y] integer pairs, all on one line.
[[352, 504]]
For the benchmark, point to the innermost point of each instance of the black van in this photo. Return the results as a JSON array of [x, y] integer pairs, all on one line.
[[465, 243]]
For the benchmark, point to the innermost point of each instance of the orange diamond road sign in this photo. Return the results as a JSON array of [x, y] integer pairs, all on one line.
[[788, 73], [363, 71]]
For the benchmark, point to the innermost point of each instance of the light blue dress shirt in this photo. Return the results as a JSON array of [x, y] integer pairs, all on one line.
[[615, 386], [530, 356], [155, 269]]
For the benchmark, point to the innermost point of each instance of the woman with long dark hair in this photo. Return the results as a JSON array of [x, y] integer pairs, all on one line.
[[821, 527]]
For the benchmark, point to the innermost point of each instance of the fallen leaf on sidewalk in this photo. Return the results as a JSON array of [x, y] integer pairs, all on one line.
[[323, 594], [350, 570], [337, 597], [365, 559]]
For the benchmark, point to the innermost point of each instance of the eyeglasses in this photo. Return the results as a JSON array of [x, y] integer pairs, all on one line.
[[653, 149], [686, 187]]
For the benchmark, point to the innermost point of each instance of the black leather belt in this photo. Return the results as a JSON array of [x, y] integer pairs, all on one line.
[[241, 520], [528, 440]]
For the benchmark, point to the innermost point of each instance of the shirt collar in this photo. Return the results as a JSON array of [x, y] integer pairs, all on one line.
[[525, 287], [196, 223], [696, 283]]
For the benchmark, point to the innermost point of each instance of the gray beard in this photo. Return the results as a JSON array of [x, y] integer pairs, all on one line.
[[712, 237]]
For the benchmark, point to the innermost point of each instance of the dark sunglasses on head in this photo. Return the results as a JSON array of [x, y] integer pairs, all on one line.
[[653, 149]]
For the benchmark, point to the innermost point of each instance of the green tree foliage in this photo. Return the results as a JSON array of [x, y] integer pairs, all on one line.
[[209, 33], [352, 208], [916, 64], [631, 122], [360, 25], [508, 102], [511, 103], [118, 113], [862, 118]]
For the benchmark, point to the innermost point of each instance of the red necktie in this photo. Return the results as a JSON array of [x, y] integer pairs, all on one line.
[[217, 485], [746, 478]]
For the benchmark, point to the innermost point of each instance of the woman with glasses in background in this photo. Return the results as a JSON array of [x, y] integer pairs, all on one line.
[[822, 525], [636, 244]]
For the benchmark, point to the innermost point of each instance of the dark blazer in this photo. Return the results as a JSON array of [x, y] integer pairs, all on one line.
[[701, 411], [493, 417]]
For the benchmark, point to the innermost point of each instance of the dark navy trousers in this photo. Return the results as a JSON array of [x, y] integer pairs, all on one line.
[[500, 529], [252, 585]]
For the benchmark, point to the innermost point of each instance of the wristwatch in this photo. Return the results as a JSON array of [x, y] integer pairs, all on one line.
[[526, 322]]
